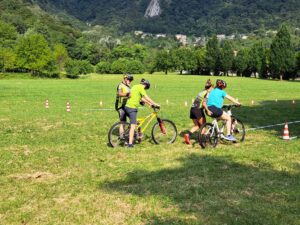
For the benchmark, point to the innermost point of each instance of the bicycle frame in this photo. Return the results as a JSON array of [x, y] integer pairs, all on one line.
[[143, 123], [216, 125]]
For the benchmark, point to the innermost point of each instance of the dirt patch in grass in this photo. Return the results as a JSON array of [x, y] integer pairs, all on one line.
[[20, 149], [33, 176]]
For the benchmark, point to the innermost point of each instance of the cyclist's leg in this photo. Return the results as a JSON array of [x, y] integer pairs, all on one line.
[[218, 113], [122, 117], [194, 114], [198, 117], [195, 127], [202, 121], [132, 114], [227, 118]]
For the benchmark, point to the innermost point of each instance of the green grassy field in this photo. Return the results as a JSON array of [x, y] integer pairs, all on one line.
[[56, 167]]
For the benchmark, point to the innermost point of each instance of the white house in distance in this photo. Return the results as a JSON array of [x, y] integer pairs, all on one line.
[[181, 38], [221, 37], [138, 33], [160, 35]]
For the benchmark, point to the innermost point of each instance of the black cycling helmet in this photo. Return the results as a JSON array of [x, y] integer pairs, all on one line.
[[221, 84], [146, 83], [128, 76]]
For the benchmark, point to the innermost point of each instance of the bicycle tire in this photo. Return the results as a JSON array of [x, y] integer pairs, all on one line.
[[114, 138], [169, 137], [207, 136], [239, 129]]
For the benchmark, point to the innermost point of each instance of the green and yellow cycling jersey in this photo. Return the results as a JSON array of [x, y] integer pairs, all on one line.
[[121, 101], [136, 94], [199, 99]]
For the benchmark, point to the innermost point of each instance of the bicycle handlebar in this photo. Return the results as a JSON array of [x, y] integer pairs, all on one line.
[[155, 107], [230, 106]]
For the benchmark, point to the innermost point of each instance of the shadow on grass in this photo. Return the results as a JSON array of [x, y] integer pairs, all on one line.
[[265, 113], [216, 190]]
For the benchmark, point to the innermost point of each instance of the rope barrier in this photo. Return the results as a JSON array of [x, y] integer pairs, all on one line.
[[274, 125]]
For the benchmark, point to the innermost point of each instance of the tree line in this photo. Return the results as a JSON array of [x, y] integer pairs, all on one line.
[[33, 52]]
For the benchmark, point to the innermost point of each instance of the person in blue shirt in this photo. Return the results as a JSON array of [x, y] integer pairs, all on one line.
[[215, 102]]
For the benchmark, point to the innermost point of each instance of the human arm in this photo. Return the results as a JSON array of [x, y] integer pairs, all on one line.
[[123, 94], [149, 101], [204, 104], [123, 91], [233, 100]]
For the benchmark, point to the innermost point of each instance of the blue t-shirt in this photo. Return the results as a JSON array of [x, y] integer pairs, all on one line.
[[216, 98]]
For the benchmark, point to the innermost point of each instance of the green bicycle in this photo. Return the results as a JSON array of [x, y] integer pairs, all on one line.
[[163, 131]]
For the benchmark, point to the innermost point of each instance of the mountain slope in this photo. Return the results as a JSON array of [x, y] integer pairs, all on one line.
[[189, 16]]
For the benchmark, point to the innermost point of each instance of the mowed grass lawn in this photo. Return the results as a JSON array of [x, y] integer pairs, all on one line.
[[56, 167]]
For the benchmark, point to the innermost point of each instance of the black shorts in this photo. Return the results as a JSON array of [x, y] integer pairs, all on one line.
[[217, 112], [132, 114], [196, 113], [122, 114]]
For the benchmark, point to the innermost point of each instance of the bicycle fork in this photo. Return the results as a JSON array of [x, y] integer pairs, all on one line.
[[161, 125]]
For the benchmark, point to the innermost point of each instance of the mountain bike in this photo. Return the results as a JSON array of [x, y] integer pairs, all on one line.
[[163, 131], [210, 133]]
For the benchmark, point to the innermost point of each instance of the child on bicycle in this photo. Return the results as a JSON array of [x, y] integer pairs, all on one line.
[[215, 102], [138, 94], [196, 111]]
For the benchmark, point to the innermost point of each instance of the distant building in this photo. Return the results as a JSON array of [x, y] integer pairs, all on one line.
[[221, 37], [231, 37], [199, 41], [144, 35], [160, 35], [272, 31], [235, 52], [138, 33], [181, 38]]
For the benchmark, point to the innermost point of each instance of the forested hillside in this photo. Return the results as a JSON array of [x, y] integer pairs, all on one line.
[[52, 43], [24, 16], [196, 17]]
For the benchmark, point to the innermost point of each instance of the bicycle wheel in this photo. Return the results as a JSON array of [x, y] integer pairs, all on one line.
[[166, 134], [115, 138], [208, 136], [238, 129]]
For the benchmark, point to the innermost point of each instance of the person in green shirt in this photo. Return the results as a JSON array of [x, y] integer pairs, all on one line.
[[197, 110], [137, 94]]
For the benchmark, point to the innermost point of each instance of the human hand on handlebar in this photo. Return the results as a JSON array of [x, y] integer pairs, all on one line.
[[155, 106]]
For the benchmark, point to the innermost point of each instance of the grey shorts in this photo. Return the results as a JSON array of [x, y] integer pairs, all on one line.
[[122, 114], [132, 114]]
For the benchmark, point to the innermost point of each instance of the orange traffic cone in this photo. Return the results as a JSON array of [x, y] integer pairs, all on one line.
[[286, 135], [47, 104], [68, 106]]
